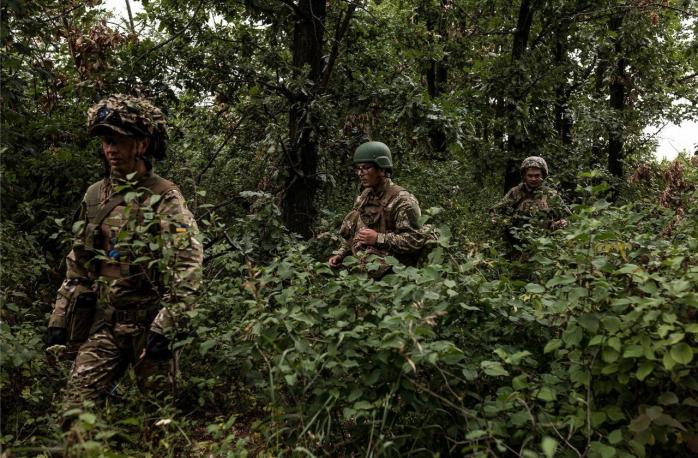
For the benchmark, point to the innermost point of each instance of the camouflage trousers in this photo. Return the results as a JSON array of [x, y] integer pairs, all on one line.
[[105, 357]]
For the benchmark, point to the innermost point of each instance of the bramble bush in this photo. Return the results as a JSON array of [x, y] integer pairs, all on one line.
[[583, 347]]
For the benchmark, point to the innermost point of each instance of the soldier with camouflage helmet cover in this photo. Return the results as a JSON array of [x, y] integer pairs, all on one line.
[[385, 217], [123, 297], [530, 202]]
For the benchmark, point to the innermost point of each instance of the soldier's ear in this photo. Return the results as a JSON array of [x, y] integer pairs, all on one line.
[[143, 145]]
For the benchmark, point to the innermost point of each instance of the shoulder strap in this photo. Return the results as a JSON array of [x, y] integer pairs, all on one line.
[[158, 185], [115, 201], [92, 194], [361, 200], [390, 194], [154, 183], [92, 200]]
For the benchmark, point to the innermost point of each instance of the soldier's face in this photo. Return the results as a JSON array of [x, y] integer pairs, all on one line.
[[533, 177], [123, 153], [370, 175]]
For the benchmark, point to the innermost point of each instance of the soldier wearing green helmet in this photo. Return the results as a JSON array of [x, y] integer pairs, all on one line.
[[531, 202], [135, 263], [385, 217]]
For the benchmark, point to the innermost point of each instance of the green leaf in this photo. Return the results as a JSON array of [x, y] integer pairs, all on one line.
[[535, 288], [204, 347], [549, 446], [682, 353], [611, 323], [546, 394], [560, 280], [552, 345], [614, 342], [668, 361], [572, 336], [493, 368], [615, 437], [633, 351], [475, 434], [596, 340], [589, 321], [628, 269], [291, 379], [644, 370], [602, 450], [668, 398], [362, 405], [609, 355], [88, 418], [639, 423]]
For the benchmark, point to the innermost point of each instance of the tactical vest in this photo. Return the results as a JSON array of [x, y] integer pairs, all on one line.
[[96, 213], [376, 215]]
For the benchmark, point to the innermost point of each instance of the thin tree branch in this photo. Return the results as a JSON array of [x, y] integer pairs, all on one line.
[[340, 32], [130, 16], [176, 35], [220, 148]]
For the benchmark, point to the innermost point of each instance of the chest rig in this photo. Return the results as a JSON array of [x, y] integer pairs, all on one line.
[[372, 212], [97, 212], [532, 202]]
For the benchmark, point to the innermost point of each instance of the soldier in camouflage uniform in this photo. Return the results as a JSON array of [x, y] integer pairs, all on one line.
[[530, 202], [135, 264], [385, 217]]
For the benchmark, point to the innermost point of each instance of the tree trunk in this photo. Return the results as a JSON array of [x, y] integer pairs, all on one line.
[[616, 138], [516, 142], [301, 156], [437, 76], [563, 121]]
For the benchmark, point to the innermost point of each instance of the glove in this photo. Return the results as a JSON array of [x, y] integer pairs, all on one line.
[[157, 346], [56, 336]]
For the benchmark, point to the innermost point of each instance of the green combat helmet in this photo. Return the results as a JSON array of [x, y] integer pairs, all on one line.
[[131, 116], [535, 161], [375, 152]]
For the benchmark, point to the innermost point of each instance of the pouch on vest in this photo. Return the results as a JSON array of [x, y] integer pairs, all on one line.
[[80, 314], [93, 236], [372, 217]]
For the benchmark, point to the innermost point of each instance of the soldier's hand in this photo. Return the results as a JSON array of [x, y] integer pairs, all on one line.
[[335, 261], [157, 346], [56, 336], [367, 237]]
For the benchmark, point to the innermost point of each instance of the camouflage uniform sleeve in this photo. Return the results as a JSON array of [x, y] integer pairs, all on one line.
[[505, 207], [348, 229], [76, 274], [184, 252], [347, 232], [408, 236]]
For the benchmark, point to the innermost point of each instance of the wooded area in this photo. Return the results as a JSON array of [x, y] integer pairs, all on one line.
[[585, 347]]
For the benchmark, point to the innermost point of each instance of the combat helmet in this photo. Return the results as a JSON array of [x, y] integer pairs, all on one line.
[[375, 152], [131, 116], [534, 161]]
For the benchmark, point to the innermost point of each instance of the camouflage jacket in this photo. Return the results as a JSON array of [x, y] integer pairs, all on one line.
[[392, 212], [522, 205], [131, 272]]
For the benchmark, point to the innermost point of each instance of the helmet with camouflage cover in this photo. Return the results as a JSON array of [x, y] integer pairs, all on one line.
[[375, 152], [537, 162], [131, 116]]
